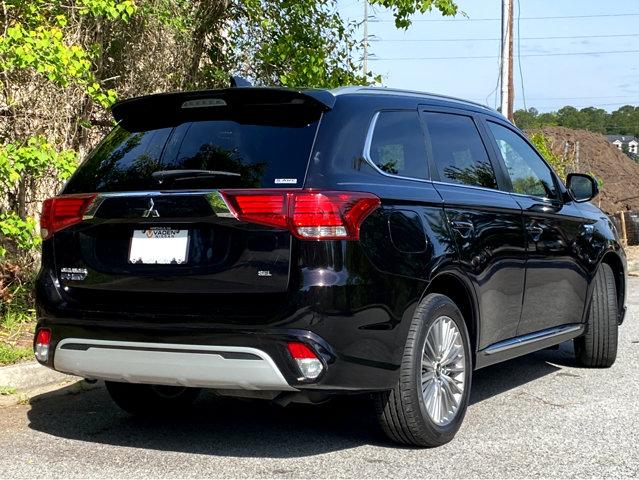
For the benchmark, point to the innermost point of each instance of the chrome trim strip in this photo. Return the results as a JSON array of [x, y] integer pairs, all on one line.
[[207, 366], [532, 338], [535, 197], [475, 187], [495, 190], [214, 198]]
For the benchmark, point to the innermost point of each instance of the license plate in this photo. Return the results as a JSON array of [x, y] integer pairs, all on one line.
[[159, 245]]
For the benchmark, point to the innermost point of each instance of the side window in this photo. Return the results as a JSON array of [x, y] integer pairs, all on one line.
[[458, 151], [397, 146], [528, 173]]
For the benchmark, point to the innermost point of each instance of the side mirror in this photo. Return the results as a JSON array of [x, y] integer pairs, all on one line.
[[582, 187]]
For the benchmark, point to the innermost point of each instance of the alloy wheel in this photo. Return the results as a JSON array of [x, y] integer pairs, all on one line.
[[443, 371]]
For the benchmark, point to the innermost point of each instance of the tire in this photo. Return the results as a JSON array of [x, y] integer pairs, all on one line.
[[151, 400], [402, 411], [597, 347]]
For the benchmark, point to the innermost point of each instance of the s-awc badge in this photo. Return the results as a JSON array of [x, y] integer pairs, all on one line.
[[285, 181]]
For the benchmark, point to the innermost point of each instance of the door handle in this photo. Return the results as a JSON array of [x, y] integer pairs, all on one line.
[[535, 231], [463, 227]]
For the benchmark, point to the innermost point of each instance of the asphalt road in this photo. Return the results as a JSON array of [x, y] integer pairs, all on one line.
[[535, 416]]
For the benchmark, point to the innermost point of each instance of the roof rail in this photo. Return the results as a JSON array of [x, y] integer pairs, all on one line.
[[398, 91]]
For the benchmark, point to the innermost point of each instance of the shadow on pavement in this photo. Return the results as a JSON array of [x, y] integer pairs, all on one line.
[[239, 428], [502, 377]]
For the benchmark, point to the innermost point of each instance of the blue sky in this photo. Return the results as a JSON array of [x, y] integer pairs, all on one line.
[[606, 80]]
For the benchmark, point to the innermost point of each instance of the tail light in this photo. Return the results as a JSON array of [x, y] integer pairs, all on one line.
[[43, 339], [62, 212], [312, 215], [306, 360]]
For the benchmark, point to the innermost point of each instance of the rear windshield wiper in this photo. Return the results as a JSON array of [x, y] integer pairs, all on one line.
[[178, 175]]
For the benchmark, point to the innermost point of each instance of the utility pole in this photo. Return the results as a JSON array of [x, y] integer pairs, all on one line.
[[365, 36], [507, 90]]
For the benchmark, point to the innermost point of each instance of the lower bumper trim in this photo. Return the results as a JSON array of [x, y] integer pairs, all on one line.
[[203, 366]]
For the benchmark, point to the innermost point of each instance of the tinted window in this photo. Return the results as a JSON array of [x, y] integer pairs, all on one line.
[[458, 151], [528, 173], [397, 146], [262, 155]]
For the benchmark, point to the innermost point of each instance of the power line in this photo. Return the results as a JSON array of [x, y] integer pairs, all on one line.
[[365, 37], [608, 15], [521, 73], [582, 98], [609, 104], [570, 37], [628, 102], [559, 54], [494, 90]]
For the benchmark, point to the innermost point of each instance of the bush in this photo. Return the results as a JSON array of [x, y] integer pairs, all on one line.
[[16, 295], [558, 164]]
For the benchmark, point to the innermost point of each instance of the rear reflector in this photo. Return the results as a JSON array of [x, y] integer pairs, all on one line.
[[43, 339], [306, 360], [62, 212], [313, 215]]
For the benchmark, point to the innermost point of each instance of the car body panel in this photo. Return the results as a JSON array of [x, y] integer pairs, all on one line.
[[353, 301]]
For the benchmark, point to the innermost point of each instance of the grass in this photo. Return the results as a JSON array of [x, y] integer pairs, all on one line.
[[7, 390], [17, 324], [10, 354]]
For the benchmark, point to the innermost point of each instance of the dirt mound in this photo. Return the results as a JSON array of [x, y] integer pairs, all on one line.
[[589, 152]]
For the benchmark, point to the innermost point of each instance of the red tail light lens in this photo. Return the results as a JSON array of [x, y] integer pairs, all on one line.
[[321, 215], [265, 208], [62, 212], [43, 339], [299, 350], [310, 366]]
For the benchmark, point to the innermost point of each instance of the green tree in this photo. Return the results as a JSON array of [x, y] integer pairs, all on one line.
[[624, 121], [35, 55], [594, 119], [403, 9], [63, 62], [526, 118]]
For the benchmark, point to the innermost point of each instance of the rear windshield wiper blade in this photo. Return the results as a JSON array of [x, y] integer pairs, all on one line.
[[177, 175]]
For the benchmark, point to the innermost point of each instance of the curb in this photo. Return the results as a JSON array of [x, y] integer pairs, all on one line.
[[633, 268], [30, 379], [28, 375]]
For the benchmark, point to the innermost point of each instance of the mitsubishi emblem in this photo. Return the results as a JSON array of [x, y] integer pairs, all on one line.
[[151, 212]]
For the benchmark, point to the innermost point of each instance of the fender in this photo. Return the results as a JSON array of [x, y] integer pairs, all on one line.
[[446, 280], [602, 244]]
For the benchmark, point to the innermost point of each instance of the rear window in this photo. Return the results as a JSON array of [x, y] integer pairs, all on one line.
[[259, 156], [397, 146]]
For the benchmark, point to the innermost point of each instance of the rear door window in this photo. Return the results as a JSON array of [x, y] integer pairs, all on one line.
[[457, 150], [397, 145], [260, 156]]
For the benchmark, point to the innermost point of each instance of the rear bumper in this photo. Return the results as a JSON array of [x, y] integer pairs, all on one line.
[[206, 366], [238, 359]]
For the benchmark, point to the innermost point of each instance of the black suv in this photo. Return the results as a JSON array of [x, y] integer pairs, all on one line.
[[293, 245]]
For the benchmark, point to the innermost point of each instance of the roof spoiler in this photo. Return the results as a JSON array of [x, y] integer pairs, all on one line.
[[237, 81], [179, 105]]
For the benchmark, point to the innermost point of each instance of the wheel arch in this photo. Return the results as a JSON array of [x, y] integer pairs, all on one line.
[[614, 261], [459, 291]]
